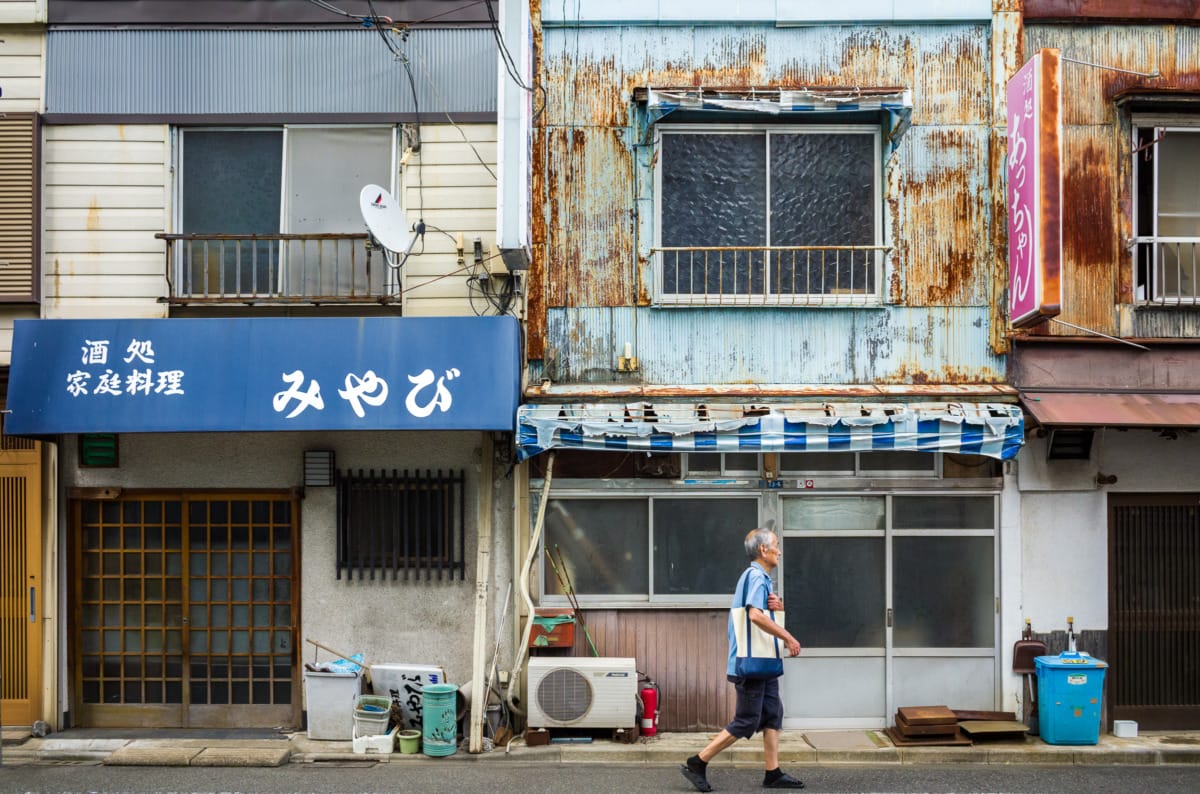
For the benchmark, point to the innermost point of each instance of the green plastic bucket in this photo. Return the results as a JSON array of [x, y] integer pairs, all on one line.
[[439, 727]]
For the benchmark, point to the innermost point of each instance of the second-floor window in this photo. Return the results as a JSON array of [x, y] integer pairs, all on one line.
[[752, 215], [266, 211], [1167, 214]]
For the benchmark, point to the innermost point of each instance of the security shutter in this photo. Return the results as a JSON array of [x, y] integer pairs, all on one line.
[[19, 272]]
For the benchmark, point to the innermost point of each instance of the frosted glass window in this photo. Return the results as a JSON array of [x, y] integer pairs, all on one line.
[[603, 544], [726, 196], [699, 544], [834, 512], [833, 591], [944, 592]]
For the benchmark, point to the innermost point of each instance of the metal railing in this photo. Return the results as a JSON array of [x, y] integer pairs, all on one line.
[[1166, 270], [799, 275], [274, 268]]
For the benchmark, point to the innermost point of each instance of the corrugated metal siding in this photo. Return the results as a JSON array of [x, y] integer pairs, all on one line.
[[739, 345], [684, 651], [1097, 189], [588, 256], [941, 217], [267, 71], [106, 195], [18, 207]]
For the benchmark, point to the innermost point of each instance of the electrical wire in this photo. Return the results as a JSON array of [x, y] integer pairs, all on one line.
[[510, 65]]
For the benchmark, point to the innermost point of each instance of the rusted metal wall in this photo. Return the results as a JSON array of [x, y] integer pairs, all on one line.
[[684, 651], [1097, 160], [592, 220]]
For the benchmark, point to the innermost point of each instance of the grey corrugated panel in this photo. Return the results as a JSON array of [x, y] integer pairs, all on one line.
[[267, 71]]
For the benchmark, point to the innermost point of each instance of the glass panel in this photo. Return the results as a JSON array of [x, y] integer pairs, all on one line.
[[198, 590], [174, 564], [283, 537], [834, 512], [133, 666], [112, 589], [220, 589], [199, 692], [704, 461], [260, 512], [239, 512], [220, 615], [833, 591], [91, 642], [262, 564], [603, 543], [91, 514], [152, 514], [112, 614], [261, 692], [91, 564], [154, 615], [152, 563], [154, 538], [699, 544], [133, 589], [111, 667], [326, 169], [262, 615], [154, 666], [220, 563], [91, 666], [133, 562], [198, 615], [133, 641], [239, 538], [241, 642], [806, 462], [241, 589], [91, 615], [261, 589], [220, 642], [112, 641], [741, 461], [91, 691], [199, 563], [240, 692], [174, 642], [133, 615], [281, 512], [132, 511], [112, 564], [154, 641], [133, 692], [944, 592], [154, 691], [91, 589], [283, 589], [198, 641], [174, 590], [283, 615], [283, 564], [240, 564], [943, 512], [174, 692], [283, 640], [713, 194], [898, 461], [260, 537], [241, 615], [823, 194]]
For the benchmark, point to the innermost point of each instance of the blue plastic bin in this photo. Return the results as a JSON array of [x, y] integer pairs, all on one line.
[[1070, 690]]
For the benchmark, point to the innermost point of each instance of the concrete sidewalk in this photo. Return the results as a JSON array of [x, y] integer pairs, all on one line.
[[665, 749]]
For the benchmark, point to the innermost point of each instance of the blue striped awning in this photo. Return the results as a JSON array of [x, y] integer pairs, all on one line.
[[992, 429]]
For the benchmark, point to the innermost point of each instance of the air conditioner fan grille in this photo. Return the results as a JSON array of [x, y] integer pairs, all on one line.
[[564, 695]]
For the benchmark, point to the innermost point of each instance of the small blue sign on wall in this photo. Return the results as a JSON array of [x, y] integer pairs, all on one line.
[[254, 374]]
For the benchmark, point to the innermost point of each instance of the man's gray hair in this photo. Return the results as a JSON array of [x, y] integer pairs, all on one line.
[[761, 536]]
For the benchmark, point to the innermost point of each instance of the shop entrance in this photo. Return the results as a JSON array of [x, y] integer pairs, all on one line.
[[22, 596], [1154, 609], [185, 610], [893, 597]]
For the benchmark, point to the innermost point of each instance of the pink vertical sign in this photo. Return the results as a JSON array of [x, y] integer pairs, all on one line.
[[1034, 192]]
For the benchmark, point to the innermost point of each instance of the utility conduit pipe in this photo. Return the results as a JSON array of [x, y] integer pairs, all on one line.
[[523, 645]]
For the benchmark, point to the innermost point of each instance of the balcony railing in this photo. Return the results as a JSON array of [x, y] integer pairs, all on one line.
[[802, 275], [1167, 271], [275, 269]]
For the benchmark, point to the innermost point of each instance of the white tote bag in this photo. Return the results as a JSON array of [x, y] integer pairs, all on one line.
[[758, 654]]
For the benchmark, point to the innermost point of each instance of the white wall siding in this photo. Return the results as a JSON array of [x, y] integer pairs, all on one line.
[[447, 186], [106, 195], [17, 12], [21, 67]]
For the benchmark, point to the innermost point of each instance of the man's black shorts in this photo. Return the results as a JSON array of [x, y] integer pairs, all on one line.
[[758, 706]]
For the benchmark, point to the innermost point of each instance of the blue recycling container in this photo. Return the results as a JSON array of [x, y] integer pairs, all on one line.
[[439, 726], [1070, 690]]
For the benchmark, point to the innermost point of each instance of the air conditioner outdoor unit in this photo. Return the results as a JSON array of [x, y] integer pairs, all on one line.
[[585, 692]]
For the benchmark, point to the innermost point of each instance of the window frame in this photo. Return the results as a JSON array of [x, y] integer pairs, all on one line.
[[1145, 288], [650, 598], [768, 298]]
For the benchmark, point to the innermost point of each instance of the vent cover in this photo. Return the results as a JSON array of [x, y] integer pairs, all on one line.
[[565, 695]]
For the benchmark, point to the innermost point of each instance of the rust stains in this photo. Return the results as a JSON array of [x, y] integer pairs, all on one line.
[[1089, 236], [93, 215], [1080, 10], [591, 248]]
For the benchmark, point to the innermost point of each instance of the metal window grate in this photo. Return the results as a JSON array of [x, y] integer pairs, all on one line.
[[403, 523]]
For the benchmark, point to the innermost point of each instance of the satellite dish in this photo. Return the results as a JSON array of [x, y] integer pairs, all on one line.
[[385, 222]]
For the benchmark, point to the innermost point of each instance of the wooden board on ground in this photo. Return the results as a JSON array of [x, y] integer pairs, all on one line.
[[924, 730], [927, 715], [990, 716], [957, 739], [994, 729]]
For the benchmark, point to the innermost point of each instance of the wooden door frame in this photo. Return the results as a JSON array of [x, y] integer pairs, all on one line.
[[1117, 500], [23, 459], [75, 498]]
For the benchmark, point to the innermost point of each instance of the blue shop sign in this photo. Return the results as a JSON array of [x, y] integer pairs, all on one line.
[[254, 374]]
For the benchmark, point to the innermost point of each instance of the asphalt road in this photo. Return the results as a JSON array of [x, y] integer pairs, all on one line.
[[505, 776]]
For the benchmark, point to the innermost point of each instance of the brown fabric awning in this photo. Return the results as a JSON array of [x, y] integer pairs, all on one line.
[[1125, 409]]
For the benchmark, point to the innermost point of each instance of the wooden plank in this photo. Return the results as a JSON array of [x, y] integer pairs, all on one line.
[[966, 714], [900, 740], [909, 729], [927, 715]]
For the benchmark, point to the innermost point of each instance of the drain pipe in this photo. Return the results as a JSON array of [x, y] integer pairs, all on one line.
[[523, 645]]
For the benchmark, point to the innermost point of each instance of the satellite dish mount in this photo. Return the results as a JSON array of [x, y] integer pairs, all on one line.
[[386, 225]]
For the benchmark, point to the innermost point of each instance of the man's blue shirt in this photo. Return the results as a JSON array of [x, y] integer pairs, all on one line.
[[757, 590]]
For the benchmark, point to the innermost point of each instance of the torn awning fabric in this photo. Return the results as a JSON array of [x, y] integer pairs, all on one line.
[[992, 429]]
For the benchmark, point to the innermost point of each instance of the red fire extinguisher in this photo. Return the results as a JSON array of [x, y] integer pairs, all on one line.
[[649, 695]]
